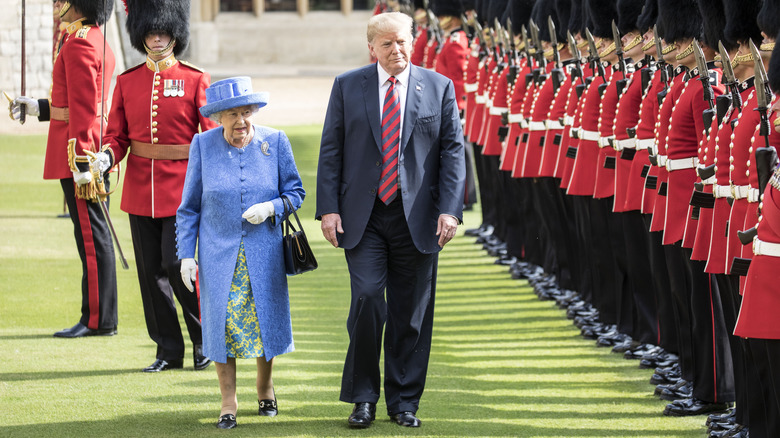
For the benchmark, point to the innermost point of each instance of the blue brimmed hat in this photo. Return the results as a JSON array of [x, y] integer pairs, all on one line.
[[231, 93]]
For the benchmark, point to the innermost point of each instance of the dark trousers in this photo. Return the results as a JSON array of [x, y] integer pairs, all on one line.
[[393, 283], [98, 265], [470, 195], [764, 358], [640, 278], [666, 325], [154, 243], [486, 186]]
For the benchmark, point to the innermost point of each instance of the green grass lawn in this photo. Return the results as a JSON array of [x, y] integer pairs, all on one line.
[[503, 363]]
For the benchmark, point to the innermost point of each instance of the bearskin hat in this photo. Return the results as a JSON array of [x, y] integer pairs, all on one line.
[[741, 23], [496, 11], [602, 12], [575, 17], [628, 14], [681, 19], [713, 13], [97, 11], [542, 10], [467, 5], [443, 8], [172, 16], [520, 13], [563, 11], [774, 68], [769, 17], [648, 17]]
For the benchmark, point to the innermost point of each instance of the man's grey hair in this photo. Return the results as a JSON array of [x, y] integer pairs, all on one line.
[[217, 116], [388, 22]]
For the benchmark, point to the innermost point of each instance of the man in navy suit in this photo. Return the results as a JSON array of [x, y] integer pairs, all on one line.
[[390, 187]]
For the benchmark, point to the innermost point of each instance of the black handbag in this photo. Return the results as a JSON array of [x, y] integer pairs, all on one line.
[[298, 256]]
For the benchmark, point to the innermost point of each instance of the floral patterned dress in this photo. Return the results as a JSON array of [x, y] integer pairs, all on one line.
[[242, 328]]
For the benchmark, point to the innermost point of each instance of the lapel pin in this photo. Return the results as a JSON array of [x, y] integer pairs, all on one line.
[[264, 148], [419, 88]]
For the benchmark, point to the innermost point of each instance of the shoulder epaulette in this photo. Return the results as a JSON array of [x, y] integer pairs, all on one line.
[[82, 32], [191, 66], [143, 64]]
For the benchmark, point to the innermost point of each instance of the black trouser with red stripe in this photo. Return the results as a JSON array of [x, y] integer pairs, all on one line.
[[93, 240], [154, 244]]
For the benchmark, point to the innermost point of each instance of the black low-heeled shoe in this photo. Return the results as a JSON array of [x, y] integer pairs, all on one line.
[[267, 408], [227, 421]]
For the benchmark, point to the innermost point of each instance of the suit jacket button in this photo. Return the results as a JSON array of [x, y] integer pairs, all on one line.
[[373, 191], [378, 164], [243, 233]]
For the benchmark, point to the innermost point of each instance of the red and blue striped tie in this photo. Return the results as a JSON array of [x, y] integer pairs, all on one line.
[[391, 129]]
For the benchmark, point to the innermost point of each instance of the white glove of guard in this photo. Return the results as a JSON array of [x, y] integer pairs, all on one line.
[[15, 107], [258, 213], [189, 273], [99, 162], [81, 178]]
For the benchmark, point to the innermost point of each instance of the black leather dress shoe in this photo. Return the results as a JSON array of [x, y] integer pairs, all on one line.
[[80, 330], [267, 408], [200, 361], [737, 430], [163, 365], [693, 406], [406, 419], [227, 421], [726, 417], [362, 415]]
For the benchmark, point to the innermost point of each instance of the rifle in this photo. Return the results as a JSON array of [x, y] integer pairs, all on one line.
[[540, 60], [619, 49], [593, 55], [23, 107], [576, 72], [763, 93], [704, 77], [557, 74], [526, 45], [661, 63], [514, 69], [620, 84]]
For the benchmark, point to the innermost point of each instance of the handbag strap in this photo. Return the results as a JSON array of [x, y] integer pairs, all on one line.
[[288, 204]]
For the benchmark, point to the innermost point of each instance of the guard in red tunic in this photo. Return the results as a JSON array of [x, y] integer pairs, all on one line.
[[75, 111], [153, 118]]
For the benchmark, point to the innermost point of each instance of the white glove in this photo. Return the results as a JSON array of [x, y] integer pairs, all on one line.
[[15, 107], [99, 162], [81, 178], [258, 213], [189, 273]]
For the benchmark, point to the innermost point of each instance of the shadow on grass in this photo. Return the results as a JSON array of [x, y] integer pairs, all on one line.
[[54, 375], [318, 423]]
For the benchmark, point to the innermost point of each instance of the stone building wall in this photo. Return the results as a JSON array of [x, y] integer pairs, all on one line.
[[39, 30]]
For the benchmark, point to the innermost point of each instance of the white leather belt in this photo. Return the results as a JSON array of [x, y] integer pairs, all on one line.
[[523, 123], [661, 160], [479, 98], [604, 141], [753, 195], [470, 88], [553, 124], [536, 126], [488, 101], [568, 120], [645, 143], [681, 163], [589, 135], [628, 143], [721, 191], [515, 118], [497, 110], [765, 248], [740, 192], [710, 180]]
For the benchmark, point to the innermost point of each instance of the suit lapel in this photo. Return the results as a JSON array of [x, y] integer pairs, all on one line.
[[413, 98], [371, 98]]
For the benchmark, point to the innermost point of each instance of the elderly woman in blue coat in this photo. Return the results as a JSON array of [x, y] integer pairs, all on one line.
[[232, 209]]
